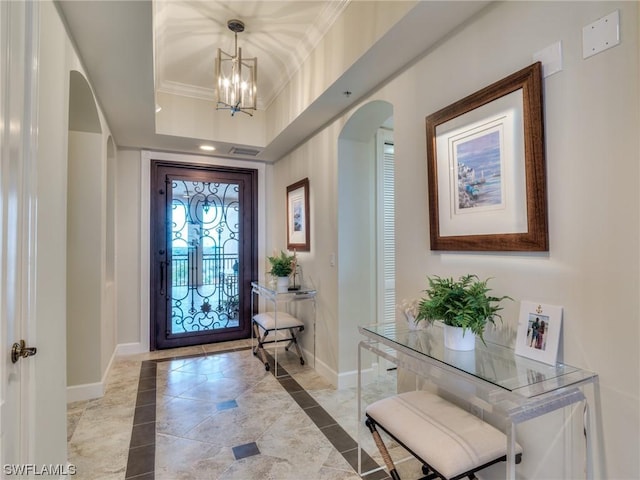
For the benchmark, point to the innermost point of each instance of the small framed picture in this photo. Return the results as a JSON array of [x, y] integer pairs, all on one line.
[[298, 216], [539, 328]]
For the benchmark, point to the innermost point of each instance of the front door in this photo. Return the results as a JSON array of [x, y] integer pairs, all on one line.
[[203, 253]]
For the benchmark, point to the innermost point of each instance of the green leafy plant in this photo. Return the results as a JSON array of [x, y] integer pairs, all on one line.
[[281, 266], [462, 303]]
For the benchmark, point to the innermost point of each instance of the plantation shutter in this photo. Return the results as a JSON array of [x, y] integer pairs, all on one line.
[[388, 248]]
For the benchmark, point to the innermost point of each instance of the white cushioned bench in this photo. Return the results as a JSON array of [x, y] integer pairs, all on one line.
[[265, 323], [450, 442]]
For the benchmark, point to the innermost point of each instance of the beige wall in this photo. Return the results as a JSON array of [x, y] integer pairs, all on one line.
[[197, 118], [592, 151], [128, 248], [84, 272], [315, 160], [360, 26]]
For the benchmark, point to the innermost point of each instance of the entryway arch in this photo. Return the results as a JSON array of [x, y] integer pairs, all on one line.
[[358, 191], [86, 200]]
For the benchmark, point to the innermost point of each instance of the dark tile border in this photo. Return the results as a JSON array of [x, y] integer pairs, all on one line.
[[339, 438], [142, 447]]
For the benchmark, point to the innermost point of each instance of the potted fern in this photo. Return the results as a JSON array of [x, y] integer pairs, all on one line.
[[464, 306], [281, 268]]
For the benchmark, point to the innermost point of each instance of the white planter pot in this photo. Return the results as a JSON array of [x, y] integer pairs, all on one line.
[[282, 284], [456, 338]]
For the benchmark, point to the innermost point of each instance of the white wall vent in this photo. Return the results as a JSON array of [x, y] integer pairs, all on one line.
[[250, 152]]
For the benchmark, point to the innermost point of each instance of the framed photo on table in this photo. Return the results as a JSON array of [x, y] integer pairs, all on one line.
[[298, 216], [486, 168], [539, 328]]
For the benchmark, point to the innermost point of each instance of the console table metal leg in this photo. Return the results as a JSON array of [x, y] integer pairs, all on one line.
[[359, 395], [599, 463], [511, 450], [587, 439]]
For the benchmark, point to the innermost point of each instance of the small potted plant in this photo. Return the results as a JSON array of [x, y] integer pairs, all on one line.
[[463, 305], [281, 268]]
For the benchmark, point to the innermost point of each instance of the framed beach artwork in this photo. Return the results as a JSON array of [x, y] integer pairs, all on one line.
[[486, 169], [539, 327], [298, 216]]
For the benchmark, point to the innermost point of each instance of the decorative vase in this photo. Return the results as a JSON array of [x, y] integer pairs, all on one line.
[[457, 338], [282, 284]]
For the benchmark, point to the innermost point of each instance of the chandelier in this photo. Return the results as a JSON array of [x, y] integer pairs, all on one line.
[[236, 77]]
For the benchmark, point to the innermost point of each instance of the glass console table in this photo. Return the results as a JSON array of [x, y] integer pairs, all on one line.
[[288, 298], [491, 377]]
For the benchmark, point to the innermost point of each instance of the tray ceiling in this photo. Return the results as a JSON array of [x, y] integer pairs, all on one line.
[[280, 34]]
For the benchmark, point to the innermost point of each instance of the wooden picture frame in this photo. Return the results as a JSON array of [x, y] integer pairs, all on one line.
[[486, 169], [539, 328], [298, 230]]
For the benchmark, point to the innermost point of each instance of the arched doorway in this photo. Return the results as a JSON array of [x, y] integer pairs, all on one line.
[[360, 272], [85, 236]]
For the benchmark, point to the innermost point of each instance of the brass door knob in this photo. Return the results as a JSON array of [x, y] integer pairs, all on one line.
[[20, 350]]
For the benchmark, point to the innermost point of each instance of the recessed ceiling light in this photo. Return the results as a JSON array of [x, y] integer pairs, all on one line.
[[207, 148]]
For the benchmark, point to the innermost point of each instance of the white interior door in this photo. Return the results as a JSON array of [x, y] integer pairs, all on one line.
[[17, 207]]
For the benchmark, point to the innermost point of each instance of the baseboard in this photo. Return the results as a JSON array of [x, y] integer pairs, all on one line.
[[88, 391], [131, 348], [350, 379], [345, 379], [322, 368]]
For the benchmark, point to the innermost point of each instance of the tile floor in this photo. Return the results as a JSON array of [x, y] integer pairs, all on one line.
[[213, 412]]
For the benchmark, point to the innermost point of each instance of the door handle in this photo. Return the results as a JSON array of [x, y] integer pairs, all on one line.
[[162, 278], [20, 350], [162, 265]]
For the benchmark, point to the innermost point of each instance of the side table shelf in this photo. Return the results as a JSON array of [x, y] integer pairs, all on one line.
[[288, 300]]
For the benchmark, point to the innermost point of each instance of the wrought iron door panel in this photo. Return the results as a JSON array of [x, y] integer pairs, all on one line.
[[204, 256]]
